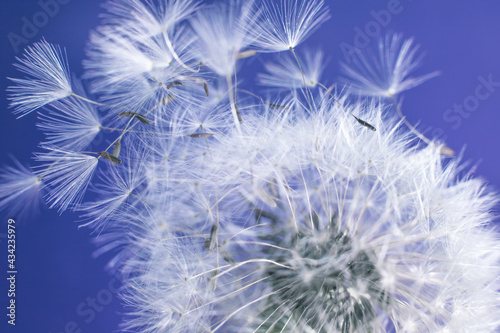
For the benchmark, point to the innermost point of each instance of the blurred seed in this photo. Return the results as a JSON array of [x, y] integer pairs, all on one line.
[[225, 254], [109, 157], [238, 114], [168, 99], [277, 106], [136, 115], [246, 54]]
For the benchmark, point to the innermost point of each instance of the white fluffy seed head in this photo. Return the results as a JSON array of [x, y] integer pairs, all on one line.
[[323, 225], [301, 214]]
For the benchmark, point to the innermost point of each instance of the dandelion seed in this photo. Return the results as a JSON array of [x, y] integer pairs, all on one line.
[[117, 147], [174, 83], [277, 106], [364, 123], [212, 239], [142, 118], [109, 157], [48, 78], [114, 190], [205, 87], [246, 54], [238, 113], [223, 31], [201, 135]]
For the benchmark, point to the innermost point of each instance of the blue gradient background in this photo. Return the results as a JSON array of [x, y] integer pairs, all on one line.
[[56, 271]]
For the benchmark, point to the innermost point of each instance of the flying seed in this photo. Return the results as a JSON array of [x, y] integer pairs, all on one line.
[[117, 148], [364, 123], [212, 279], [136, 115], [109, 157], [200, 135], [174, 83]]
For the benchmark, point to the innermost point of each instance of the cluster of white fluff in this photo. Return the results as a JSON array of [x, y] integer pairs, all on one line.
[[235, 211]]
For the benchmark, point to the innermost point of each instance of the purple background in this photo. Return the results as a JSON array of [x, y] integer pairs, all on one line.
[[56, 270]]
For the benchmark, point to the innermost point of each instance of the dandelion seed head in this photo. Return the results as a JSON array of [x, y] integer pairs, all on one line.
[[336, 229]]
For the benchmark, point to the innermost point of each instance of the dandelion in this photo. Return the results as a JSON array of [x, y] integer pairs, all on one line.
[[224, 31], [229, 212], [48, 79], [387, 73], [348, 232]]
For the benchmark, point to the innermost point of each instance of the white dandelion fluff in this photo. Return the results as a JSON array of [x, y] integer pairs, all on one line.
[[71, 124], [224, 31], [286, 74], [21, 191], [48, 78], [289, 22], [66, 175], [386, 73], [347, 230], [146, 19]]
